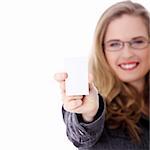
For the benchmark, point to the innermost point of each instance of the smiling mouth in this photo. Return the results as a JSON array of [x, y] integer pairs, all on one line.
[[129, 66]]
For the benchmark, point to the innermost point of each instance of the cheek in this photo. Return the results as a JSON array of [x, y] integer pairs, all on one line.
[[146, 59], [147, 56], [112, 60]]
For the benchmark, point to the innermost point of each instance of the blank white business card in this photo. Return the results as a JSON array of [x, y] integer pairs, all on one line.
[[77, 81]]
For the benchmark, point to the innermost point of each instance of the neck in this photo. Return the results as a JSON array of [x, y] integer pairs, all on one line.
[[139, 85]]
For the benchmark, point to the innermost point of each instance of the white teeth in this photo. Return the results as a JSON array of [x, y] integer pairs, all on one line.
[[127, 66]]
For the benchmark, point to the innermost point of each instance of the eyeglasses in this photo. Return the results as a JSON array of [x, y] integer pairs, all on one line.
[[117, 45]]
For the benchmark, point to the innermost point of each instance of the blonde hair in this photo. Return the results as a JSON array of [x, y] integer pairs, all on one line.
[[123, 101]]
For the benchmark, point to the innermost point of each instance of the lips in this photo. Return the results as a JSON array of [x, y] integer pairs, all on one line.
[[128, 65]]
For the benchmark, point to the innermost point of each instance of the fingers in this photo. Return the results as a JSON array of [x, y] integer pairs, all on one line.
[[72, 102], [75, 97], [79, 103], [60, 76], [72, 105], [67, 99]]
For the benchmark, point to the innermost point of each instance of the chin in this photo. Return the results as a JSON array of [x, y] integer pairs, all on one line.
[[131, 80]]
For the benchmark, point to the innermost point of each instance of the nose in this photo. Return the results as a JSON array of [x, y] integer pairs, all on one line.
[[127, 51]]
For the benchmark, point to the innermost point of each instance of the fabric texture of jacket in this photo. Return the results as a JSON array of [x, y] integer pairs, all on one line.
[[95, 136]]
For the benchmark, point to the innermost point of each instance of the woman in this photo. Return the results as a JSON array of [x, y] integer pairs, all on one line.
[[115, 113]]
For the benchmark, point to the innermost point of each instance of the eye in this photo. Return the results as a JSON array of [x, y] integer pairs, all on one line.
[[114, 44], [138, 41]]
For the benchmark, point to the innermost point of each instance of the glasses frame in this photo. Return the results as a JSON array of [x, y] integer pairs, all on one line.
[[126, 42]]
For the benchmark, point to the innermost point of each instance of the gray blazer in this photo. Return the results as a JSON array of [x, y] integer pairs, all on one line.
[[95, 136]]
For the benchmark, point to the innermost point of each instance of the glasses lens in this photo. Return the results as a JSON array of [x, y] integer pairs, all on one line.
[[113, 45], [139, 43]]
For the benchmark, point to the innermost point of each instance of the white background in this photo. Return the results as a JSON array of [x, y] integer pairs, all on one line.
[[35, 36]]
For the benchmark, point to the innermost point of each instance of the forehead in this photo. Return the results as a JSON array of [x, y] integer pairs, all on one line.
[[125, 28]]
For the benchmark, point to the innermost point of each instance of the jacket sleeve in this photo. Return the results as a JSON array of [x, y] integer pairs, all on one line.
[[83, 134]]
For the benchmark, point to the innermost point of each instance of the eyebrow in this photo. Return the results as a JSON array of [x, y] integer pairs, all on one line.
[[133, 38]]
